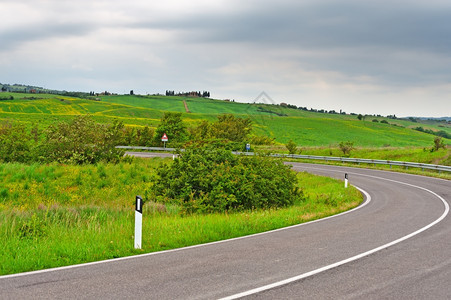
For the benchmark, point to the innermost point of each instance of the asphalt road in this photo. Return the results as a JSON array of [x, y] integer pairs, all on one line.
[[401, 204]]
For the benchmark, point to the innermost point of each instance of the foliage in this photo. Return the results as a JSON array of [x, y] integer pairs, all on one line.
[[203, 131], [291, 147], [232, 128], [82, 141], [261, 140], [134, 136], [211, 179], [438, 143], [346, 147], [227, 127], [80, 213], [78, 141], [171, 123], [15, 143], [440, 133]]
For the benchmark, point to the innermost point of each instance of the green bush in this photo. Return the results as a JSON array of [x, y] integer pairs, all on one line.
[[227, 127], [261, 140], [172, 125], [291, 147], [81, 141], [208, 179], [15, 143], [346, 147]]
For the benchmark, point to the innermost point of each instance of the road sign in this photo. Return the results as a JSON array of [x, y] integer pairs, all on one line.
[[248, 147], [164, 138]]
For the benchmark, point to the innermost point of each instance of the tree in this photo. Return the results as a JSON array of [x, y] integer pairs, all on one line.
[[438, 143], [360, 117], [203, 131], [82, 140], [346, 147], [131, 92], [231, 128], [171, 124], [291, 147]]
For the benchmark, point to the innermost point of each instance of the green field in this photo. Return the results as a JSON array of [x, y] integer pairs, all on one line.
[[303, 127]]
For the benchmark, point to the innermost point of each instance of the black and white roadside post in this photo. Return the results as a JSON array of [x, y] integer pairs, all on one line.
[[346, 180], [138, 221]]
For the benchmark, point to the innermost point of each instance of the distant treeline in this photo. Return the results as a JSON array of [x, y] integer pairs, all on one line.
[[440, 133], [204, 94]]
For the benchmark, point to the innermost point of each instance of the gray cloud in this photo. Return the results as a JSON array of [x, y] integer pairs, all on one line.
[[327, 51]]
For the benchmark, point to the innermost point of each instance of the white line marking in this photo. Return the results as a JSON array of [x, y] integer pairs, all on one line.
[[356, 257], [367, 200]]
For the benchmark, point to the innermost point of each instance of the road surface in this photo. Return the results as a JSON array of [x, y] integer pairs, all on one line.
[[397, 246]]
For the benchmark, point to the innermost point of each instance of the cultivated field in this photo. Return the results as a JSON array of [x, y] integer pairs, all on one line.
[[303, 127]]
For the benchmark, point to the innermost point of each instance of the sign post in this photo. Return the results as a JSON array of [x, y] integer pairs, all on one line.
[[346, 180], [164, 139], [138, 221]]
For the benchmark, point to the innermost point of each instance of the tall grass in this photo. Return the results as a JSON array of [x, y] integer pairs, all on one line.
[[57, 215]]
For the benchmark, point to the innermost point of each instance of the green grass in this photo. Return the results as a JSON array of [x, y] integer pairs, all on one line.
[[409, 154], [303, 127], [327, 131], [56, 215]]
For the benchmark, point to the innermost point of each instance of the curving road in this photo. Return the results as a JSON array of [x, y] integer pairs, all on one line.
[[397, 246]]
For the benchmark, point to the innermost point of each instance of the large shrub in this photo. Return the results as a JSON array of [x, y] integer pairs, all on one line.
[[227, 127], [16, 143], [172, 125], [211, 179], [82, 141]]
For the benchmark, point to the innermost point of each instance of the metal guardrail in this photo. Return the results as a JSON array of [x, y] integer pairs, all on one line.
[[146, 148], [325, 158]]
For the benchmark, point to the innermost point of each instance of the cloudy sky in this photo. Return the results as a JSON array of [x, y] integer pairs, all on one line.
[[377, 57]]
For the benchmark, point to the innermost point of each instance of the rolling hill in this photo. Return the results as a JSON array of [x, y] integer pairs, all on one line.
[[282, 123]]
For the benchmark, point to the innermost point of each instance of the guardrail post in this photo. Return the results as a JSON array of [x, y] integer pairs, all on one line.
[[346, 180]]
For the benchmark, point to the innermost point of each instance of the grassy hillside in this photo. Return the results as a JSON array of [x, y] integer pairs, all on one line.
[[303, 127]]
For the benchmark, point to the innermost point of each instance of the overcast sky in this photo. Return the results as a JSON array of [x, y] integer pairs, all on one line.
[[376, 57]]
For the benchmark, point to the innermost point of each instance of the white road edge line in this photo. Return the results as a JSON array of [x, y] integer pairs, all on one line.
[[356, 257], [367, 200]]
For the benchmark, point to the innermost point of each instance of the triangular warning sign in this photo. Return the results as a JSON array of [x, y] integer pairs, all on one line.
[[164, 138]]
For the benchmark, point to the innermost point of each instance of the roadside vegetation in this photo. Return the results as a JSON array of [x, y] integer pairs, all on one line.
[[208, 178], [67, 194], [54, 215], [429, 155]]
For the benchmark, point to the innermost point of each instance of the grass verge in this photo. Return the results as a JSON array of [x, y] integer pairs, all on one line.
[[57, 215]]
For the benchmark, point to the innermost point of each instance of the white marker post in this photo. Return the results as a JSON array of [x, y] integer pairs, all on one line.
[[346, 180], [138, 221]]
